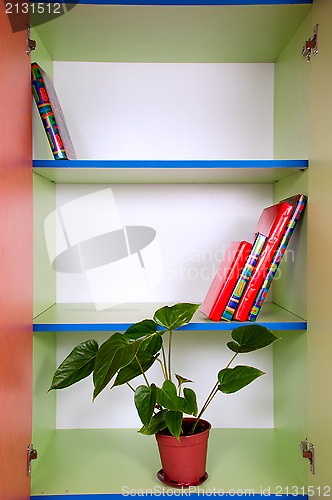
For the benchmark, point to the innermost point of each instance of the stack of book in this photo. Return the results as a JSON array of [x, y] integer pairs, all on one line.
[[248, 268]]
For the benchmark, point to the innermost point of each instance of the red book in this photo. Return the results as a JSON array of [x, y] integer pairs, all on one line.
[[283, 213], [224, 281]]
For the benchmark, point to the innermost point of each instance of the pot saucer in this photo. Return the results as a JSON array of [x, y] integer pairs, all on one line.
[[176, 484]]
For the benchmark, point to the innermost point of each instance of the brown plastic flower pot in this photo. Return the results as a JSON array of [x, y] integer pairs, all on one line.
[[183, 462]]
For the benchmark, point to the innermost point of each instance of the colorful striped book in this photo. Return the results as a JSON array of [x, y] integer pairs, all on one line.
[[225, 279], [51, 114], [262, 265], [299, 203], [269, 220]]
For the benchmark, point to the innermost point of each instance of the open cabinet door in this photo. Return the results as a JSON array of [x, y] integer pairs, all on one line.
[[320, 245], [15, 261]]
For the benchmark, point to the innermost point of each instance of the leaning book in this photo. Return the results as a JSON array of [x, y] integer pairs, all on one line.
[[225, 279], [51, 114], [299, 202], [270, 226]]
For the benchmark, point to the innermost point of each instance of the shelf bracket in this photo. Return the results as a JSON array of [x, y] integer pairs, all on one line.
[[311, 45], [31, 44], [31, 455], [309, 453]]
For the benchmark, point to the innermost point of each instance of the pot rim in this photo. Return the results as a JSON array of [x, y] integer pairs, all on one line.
[[190, 436]]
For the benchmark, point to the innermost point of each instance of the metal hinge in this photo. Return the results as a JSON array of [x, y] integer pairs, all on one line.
[[31, 455], [31, 44], [311, 45], [309, 453]]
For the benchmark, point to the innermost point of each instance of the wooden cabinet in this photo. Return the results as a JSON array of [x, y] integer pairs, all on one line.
[[15, 261], [257, 151]]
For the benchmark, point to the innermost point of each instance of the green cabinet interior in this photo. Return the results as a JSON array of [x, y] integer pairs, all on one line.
[[105, 460]]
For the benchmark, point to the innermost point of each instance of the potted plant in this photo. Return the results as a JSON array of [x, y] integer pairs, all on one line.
[[125, 356]]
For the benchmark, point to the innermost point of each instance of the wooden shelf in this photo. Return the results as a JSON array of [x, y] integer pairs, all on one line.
[[106, 460], [172, 30], [167, 171], [84, 317]]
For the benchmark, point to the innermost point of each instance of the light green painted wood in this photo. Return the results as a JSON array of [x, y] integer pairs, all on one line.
[[291, 101], [44, 276], [69, 175], [125, 314], [44, 346], [319, 249], [105, 461], [290, 284], [44, 403], [41, 148], [290, 397], [172, 33]]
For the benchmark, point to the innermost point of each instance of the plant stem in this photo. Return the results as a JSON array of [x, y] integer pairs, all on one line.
[[141, 368], [169, 354], [164, 362], [206, 404], [162, 368], [130, 386], [232, 359], [211, 396]]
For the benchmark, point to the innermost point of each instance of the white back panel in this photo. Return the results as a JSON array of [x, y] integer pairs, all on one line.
[[167, 111]]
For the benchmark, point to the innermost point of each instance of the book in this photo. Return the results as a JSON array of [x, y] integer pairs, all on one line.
[[225, 279], [51, 114], [257, 277], [299, 202], [269, 218]]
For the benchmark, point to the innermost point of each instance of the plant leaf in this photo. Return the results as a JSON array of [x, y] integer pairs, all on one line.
[[175, 316], [251, 338], [144, 359], [167, 396], [133, 370], [157, 423], [182, 380], [113, 354], [141, 329], [145, 400], [152, 344], [77, 365], [190, 397], [173, 420], [233, 379]]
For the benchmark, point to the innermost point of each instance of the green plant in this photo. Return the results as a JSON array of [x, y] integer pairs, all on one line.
[[125, 356]]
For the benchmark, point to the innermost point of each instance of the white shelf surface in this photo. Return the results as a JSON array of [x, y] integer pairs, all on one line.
[[167, 171], [84, 317]]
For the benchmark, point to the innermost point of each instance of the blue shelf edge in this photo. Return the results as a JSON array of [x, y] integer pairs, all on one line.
[[300, 325], [221, 164]]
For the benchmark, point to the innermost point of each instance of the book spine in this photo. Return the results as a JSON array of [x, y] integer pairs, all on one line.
[[256, 307], [47, 114], [244, 277]]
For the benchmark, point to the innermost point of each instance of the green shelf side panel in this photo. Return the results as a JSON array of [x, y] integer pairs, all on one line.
[[41, 148], [44, 275], [290, 283], [291, 102], [290, 398], [291, 138], [44, 403]]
